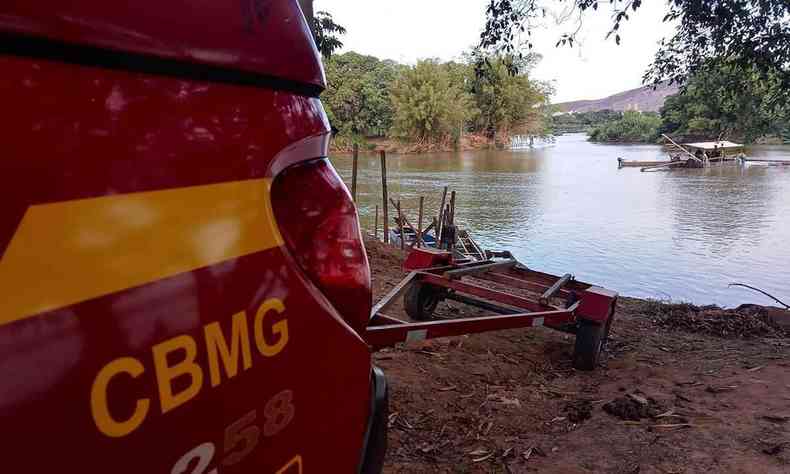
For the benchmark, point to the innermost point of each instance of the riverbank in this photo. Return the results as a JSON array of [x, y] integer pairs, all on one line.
[[680, 389], [467, 142]]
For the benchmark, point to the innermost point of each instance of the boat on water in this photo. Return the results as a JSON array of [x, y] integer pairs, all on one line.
[[623, 163], [761, 162], [692, 155], [395, 238]]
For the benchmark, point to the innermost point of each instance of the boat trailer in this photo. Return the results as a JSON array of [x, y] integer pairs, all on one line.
[[520, 297]]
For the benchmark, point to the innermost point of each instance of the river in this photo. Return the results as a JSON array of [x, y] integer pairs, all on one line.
[[566, 208]]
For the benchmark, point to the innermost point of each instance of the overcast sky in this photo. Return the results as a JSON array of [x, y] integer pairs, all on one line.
[[407, 30]]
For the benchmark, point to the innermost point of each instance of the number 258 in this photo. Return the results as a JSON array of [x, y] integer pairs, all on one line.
[[241, 436]]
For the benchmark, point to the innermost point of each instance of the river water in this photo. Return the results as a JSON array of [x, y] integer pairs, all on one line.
[[566, 208]]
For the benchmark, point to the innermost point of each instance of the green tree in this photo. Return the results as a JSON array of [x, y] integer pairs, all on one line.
[[754, 35], [632, 127], [583, 121], [508, 102], [326, 33], [723, 100], [431, 105], [357, 98]]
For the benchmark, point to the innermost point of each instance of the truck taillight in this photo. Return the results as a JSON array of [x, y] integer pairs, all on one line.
[[318, 221]]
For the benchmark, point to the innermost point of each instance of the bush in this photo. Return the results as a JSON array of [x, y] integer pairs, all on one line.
[[633, 127]]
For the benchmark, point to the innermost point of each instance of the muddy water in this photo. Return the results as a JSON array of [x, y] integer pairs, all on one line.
[[566, 208]]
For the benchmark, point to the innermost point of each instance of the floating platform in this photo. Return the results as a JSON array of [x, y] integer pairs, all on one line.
[[765, 162], [621, 163]]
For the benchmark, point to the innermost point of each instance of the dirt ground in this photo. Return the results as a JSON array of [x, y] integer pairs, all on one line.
[[681, 389]]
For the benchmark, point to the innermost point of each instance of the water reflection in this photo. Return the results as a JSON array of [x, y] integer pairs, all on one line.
[[567, 208]]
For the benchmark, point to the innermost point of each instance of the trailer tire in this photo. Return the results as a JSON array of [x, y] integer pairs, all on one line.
[[589, 342], [420, 301]]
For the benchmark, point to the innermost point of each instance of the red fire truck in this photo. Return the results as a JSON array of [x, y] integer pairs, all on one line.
[[183, 279], [184, 287]]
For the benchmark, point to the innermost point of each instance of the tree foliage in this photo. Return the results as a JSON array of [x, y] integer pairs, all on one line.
[[431, 101], [326, 33], [723, 100], [753, 35], [632, 127], [357, 98], [508, 102], [583, 121], [430, 104]]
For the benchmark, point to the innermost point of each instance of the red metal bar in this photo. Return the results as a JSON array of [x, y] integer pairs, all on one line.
[[382, 320], [484, 293], [516, 282], [477, 269], [541, 278], [382, 336]]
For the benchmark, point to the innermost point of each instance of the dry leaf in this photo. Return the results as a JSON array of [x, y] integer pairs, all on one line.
[[479, 452], [527, 454]]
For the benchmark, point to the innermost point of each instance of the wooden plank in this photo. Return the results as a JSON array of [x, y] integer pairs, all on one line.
[[379, 319], [483, 304], [458, 273], [756, 160], [452, 208], [393, 293], [485, 293], [354, 172], [666, 165], [553, 289], [405, 219], [681, 148], [441, 217], [376, 224], [400, 227], [507, 280], [385, 208], [418, 238]]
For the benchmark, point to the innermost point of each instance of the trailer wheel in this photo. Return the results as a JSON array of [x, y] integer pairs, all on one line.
[[420, 301], [589, 341]]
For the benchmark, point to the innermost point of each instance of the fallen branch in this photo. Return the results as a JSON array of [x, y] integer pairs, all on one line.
[[763, 292]]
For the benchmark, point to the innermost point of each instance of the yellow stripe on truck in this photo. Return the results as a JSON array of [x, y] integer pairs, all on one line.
[[66, 252]]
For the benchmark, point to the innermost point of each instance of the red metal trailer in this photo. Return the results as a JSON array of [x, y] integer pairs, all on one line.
[[520, 296]]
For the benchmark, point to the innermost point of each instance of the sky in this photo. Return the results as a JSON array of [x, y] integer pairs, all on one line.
[[408, 30]]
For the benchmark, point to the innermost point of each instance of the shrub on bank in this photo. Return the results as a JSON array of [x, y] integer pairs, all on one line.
[[633, 127]]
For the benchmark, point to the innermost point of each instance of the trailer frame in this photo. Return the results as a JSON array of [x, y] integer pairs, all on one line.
[[436, 277]]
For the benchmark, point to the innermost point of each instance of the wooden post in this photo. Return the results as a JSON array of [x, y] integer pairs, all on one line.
[[452, 208], [419, 222], [385, 207], [441, 213], [405, 219], [354, 172], [400, 227], [376, 224], [445, 224]]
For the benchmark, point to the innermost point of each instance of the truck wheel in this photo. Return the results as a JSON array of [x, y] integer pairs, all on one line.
[[420, 301], [589, 340]]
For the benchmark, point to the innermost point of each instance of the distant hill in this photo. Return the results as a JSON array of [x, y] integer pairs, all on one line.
[[644, 99]]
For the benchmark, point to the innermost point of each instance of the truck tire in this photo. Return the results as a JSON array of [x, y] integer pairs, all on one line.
[[420, 301], [375, 447], [589, 341]]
